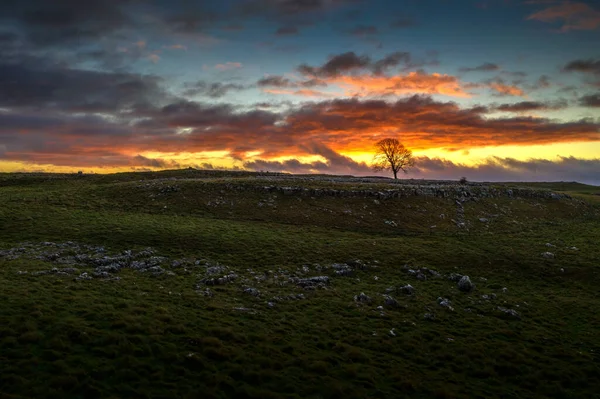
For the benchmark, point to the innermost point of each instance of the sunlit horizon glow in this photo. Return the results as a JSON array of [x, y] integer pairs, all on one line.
[[489, 89]]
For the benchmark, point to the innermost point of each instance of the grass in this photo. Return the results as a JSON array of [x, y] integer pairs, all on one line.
[[154, 337]]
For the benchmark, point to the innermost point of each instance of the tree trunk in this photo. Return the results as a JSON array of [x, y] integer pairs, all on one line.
[[395, 174]]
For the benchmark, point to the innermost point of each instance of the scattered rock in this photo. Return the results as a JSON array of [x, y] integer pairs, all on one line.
[[362, 298], [252, 291], [465, 284], [313, 282], [454, 276], [407, 289], [445, 303], [391, 301], [429, 316], [509, 312], [84, 276], [547, 255]]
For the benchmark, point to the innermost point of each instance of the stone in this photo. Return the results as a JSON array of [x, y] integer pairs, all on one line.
[[83, 276], [547, 255], [483, 220], [252, 291], [362, 298], [390, 301], [312, 282], [420, 276], [454, 276], [428, 316], [445, 303], [509, 312], [465, 284], [407, 289]]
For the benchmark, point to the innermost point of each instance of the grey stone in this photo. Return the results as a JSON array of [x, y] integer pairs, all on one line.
[[509, 312], [391, 301], [465, 284], [252, 291], [362, 298], [547, 255], [407, 289], [445, 303], [312, 282]]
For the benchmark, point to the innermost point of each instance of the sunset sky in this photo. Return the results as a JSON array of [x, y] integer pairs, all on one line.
[[487, 89]]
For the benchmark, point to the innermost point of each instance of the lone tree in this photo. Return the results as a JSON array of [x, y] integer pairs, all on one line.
[[392, 155]]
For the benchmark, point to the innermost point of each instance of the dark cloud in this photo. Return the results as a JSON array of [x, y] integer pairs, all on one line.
[[65, 21], [76, 90], [485, 67], [592, 100], [350, 62], [283, 82], [275, 81], [213, 90], [543, 82], [491, 169], [585, 66], [526, 106], [510, 169], [338, 64], [334, 163], [390, 61]]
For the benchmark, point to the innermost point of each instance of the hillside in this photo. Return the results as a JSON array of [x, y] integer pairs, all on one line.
[[237, 284]]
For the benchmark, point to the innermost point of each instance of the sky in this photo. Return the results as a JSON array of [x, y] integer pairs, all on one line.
[[493, 90]]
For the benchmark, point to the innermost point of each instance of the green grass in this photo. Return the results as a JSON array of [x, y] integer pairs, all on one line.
[[155, 337]]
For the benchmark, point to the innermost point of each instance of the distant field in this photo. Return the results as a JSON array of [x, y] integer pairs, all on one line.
[[238, 284]]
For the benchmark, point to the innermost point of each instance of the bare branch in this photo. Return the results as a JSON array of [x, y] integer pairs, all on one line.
[[392, 155]]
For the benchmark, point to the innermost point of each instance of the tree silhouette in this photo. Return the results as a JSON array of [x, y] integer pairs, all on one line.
[[392, 155]]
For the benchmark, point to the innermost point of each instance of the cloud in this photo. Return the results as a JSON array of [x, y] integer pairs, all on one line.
[[213, 90], [338, 124], [505, 89], [510, 169], [410, 83], [572, 15], [590, 66], [527, 106], [334, 163], [592, 100], [350, 63], [73, 90], [228, 66], [301, 92], [338, 64], [66, 21], [490, 169], [485, 67], [276, 81]]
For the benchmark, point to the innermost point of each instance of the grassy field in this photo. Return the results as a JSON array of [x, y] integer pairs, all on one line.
[[175, 332]]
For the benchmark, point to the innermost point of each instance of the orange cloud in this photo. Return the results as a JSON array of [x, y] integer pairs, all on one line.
[[508, 90], [411, 83]]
